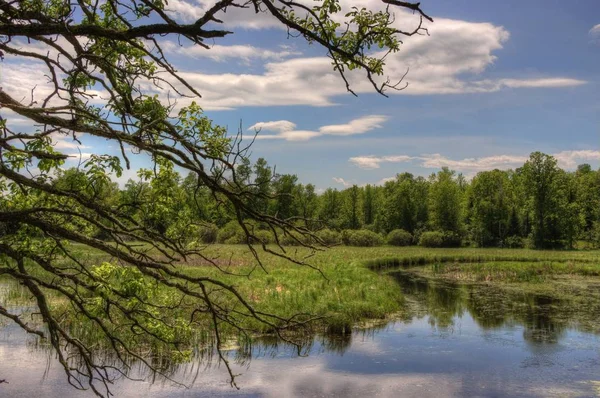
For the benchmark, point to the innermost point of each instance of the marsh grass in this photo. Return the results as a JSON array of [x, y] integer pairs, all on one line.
[[353, 287]]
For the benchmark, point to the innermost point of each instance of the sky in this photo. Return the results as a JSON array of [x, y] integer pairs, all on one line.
[[492, 82]]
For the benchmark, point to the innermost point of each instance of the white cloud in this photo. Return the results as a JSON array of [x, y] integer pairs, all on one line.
[[340, 180], [233, 17], [437, 161], [570, 159], [278, 126], [566, 160], [594, 34], [62, 141], [14, 120], [285, 129], [373, 162], [356, 126], [384, 180], [538, 83], [295, 135], [449, 61], [221, 53], [79, 156]]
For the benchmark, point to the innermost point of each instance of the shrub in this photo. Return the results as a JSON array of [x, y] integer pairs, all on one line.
[[208, 233], [288, 239], [440, 239], [329, 237], [231, 233], [596, 235], [452, 239], [514, 242], [264, 236], [361, 237], [432, 239], [399, 237]]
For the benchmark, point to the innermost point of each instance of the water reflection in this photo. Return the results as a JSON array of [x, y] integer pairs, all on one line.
[[544, 319], [457, 340]]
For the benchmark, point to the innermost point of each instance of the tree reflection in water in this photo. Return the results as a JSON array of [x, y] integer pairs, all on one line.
[[544, 319]]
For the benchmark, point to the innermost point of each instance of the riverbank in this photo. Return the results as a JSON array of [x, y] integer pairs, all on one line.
[[354, 287], [345, 287]]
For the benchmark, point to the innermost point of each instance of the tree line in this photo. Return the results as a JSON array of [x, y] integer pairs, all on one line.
[[538, 205]]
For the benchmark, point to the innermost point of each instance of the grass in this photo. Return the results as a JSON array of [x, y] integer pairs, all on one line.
[[352, 289], [356, 286], [345, 294]]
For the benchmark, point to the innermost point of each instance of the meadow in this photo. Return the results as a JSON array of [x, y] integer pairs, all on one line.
[[348, 287], [353, 285]]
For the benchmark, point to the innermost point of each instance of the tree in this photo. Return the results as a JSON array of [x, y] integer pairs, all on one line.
[[588, 198], [489, 204], [306, 203], [351, 208], [330, 207], [262, 184], [283, 189], [369, 205], [541, 177], [445, 200], [108, 77]]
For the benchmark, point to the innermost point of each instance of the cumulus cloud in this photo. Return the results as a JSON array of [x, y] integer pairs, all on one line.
[[340, 180], [448, 61], [356, 126], [384, 180], [570, 159], [294, 135], [437, 161], [373, 162], [233, 17], [221, 53], [566, 160], [81, 156], [537, 83], [286, 130], [594, 34], [278, 126]]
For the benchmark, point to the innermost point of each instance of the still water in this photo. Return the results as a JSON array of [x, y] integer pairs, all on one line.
[[457, 340]]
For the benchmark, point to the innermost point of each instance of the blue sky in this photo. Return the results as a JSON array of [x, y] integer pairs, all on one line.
[[494, 81]]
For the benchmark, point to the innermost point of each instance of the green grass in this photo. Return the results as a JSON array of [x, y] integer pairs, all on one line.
[[345, 294], [352, 289], [354, 286], [511, 271]]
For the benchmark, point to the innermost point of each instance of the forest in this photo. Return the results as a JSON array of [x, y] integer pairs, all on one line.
[[538, 205]]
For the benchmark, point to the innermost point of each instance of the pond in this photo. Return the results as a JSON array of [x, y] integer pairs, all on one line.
[[458, 340]]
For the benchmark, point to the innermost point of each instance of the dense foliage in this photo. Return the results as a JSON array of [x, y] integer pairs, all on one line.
[[538, 205]]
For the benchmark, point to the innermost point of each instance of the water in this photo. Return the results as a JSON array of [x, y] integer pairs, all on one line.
[[458, 340]]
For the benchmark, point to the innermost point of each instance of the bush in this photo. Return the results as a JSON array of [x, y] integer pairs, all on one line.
[[514, 242], [288, 239], [399, 237], [362, 238], [432, 239], [452, 239], [231, 233], [596, 235], [440, 239], [208, 233], [263, 236], [329, 237]]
